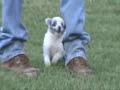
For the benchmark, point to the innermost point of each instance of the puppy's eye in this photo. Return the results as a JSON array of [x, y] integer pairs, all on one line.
[[54, 23], [64, 26]]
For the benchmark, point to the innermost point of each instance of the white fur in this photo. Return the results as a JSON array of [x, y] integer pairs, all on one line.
[[52, 46]]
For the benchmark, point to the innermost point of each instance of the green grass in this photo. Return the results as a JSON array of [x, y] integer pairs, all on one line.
[[103, 24]]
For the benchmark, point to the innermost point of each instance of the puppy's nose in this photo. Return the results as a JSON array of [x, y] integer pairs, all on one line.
[[59, 28]]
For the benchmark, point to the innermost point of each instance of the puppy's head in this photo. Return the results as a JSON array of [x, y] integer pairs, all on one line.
[[56, 25]]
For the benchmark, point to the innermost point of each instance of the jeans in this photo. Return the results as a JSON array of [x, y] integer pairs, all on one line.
[[13, 34], [75, 39]]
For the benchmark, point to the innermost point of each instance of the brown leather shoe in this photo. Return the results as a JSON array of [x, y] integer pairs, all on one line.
[[20, 64], [78, 65]]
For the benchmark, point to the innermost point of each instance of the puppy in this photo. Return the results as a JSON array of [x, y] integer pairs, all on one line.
[[52, 45]]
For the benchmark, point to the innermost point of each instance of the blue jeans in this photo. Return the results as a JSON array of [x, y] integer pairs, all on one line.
[[75, 39], [13, 33]]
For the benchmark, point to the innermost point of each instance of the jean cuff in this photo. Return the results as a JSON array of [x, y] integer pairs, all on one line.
[[12, 55], [80, 54]]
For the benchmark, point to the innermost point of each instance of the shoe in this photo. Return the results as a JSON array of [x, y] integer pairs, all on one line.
[[78, 65], [20, 64]]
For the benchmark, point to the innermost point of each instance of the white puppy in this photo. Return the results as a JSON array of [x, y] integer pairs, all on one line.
[[52, 46]]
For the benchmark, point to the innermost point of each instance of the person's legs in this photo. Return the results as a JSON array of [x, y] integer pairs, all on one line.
[[13, 34], [73, 12]]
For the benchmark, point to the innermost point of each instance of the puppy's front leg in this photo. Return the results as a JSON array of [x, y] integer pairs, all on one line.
[[56, 58], [47, 61]]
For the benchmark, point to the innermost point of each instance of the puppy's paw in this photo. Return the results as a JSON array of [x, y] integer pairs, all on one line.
[[47, 63], [54, 61]]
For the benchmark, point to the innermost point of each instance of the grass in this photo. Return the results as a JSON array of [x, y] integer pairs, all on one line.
[[102, 22]]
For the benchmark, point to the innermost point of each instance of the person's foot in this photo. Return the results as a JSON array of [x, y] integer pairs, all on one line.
[[20, 64], [78, 65]]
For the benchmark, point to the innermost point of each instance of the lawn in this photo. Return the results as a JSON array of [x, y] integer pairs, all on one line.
[[103, 25]]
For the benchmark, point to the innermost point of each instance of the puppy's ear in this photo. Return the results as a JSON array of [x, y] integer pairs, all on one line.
[[48, 21]]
